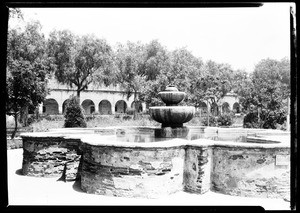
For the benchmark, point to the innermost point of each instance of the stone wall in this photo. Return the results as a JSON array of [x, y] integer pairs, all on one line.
[[132, 172], [157, 169], [251, 172], [50, 157], [197, 168]]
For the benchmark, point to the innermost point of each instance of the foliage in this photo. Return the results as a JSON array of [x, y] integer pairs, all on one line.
[[265, 97], [80, 61], [225, 119], [74, 116], [209, 121], [269, 119], [15, 13], [27, 70], [129, 75]]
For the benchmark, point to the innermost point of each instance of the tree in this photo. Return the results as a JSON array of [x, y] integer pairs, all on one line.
[[129, 75], [156, 60], [212, 84], [15, 13], [74, 116], [27, 70], [80, 61], [266, 96]]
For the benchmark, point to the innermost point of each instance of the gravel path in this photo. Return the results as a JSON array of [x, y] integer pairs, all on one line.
[[23, 190]]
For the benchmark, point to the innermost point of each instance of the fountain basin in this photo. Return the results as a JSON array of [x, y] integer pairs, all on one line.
[[171, 97], [172, 116], [141, 166]]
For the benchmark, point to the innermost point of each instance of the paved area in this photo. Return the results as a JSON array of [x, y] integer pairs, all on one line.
[[23, 190]]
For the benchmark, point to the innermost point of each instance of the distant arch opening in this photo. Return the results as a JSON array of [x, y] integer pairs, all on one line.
[[225, 107], [120, 106], [214, 109], [236, 107], [139, 106], [105, 107], [50, 106], [64, 106], [88, 106], [203, 107]]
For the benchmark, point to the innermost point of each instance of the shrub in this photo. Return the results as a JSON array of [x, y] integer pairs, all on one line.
[[126, 117], [212, 121], [74, 116], [269, 119], [130, 111], [225, 119]]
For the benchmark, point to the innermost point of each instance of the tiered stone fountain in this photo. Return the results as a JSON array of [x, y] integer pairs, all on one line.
[[172, 116]]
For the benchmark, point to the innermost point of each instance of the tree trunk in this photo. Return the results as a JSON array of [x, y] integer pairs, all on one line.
[[135, 107], [16, 126], [78, 93]]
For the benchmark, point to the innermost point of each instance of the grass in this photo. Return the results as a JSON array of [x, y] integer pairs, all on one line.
[[98, 121]]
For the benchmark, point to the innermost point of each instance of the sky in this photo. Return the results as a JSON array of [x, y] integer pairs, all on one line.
[[240, 37]]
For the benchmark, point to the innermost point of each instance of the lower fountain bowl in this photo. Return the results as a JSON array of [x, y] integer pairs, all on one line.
[[172, 116]]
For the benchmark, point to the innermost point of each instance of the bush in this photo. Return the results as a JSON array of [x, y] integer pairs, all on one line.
[[212, 121], [130, 111], [225, 119], [74, 116], [269, 119]]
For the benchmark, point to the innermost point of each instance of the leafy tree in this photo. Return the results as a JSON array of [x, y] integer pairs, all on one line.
[[129, 75], [156, 60], [15, 13], [80, 61], [27, 70], [74, 116], [267, 94], [180, 68], [212, 84]]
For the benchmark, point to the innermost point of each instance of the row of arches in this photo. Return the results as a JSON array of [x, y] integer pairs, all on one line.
[[51, 106], [216, 110]]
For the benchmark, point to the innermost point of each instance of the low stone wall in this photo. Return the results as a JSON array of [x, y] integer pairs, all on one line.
[[132, 172], [157, 169], [251, 172], [50, 157]]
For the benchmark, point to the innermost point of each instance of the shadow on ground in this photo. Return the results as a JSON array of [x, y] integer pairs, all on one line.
[[19, 172], [76, 186]]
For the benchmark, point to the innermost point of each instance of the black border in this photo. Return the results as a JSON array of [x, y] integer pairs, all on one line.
[[151, 4]]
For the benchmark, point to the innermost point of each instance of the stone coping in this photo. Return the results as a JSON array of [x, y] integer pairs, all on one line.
[[172, 107], [106, 137]]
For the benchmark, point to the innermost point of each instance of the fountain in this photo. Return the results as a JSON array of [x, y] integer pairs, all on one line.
[[172, 116], [151, 162]]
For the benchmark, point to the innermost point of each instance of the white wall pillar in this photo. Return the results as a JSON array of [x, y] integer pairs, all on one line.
[[60, 108], [41, 108]]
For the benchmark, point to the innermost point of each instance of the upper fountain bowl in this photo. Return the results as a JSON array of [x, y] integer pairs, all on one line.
[[171, 96]]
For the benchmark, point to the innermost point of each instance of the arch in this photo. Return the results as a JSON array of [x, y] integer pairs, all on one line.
[[225, 107], [236, 107], [50, 106], [105, 107], [139, 107], [120, 106], [203, 107], [214, 109], [64, 105], [88, 106]]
